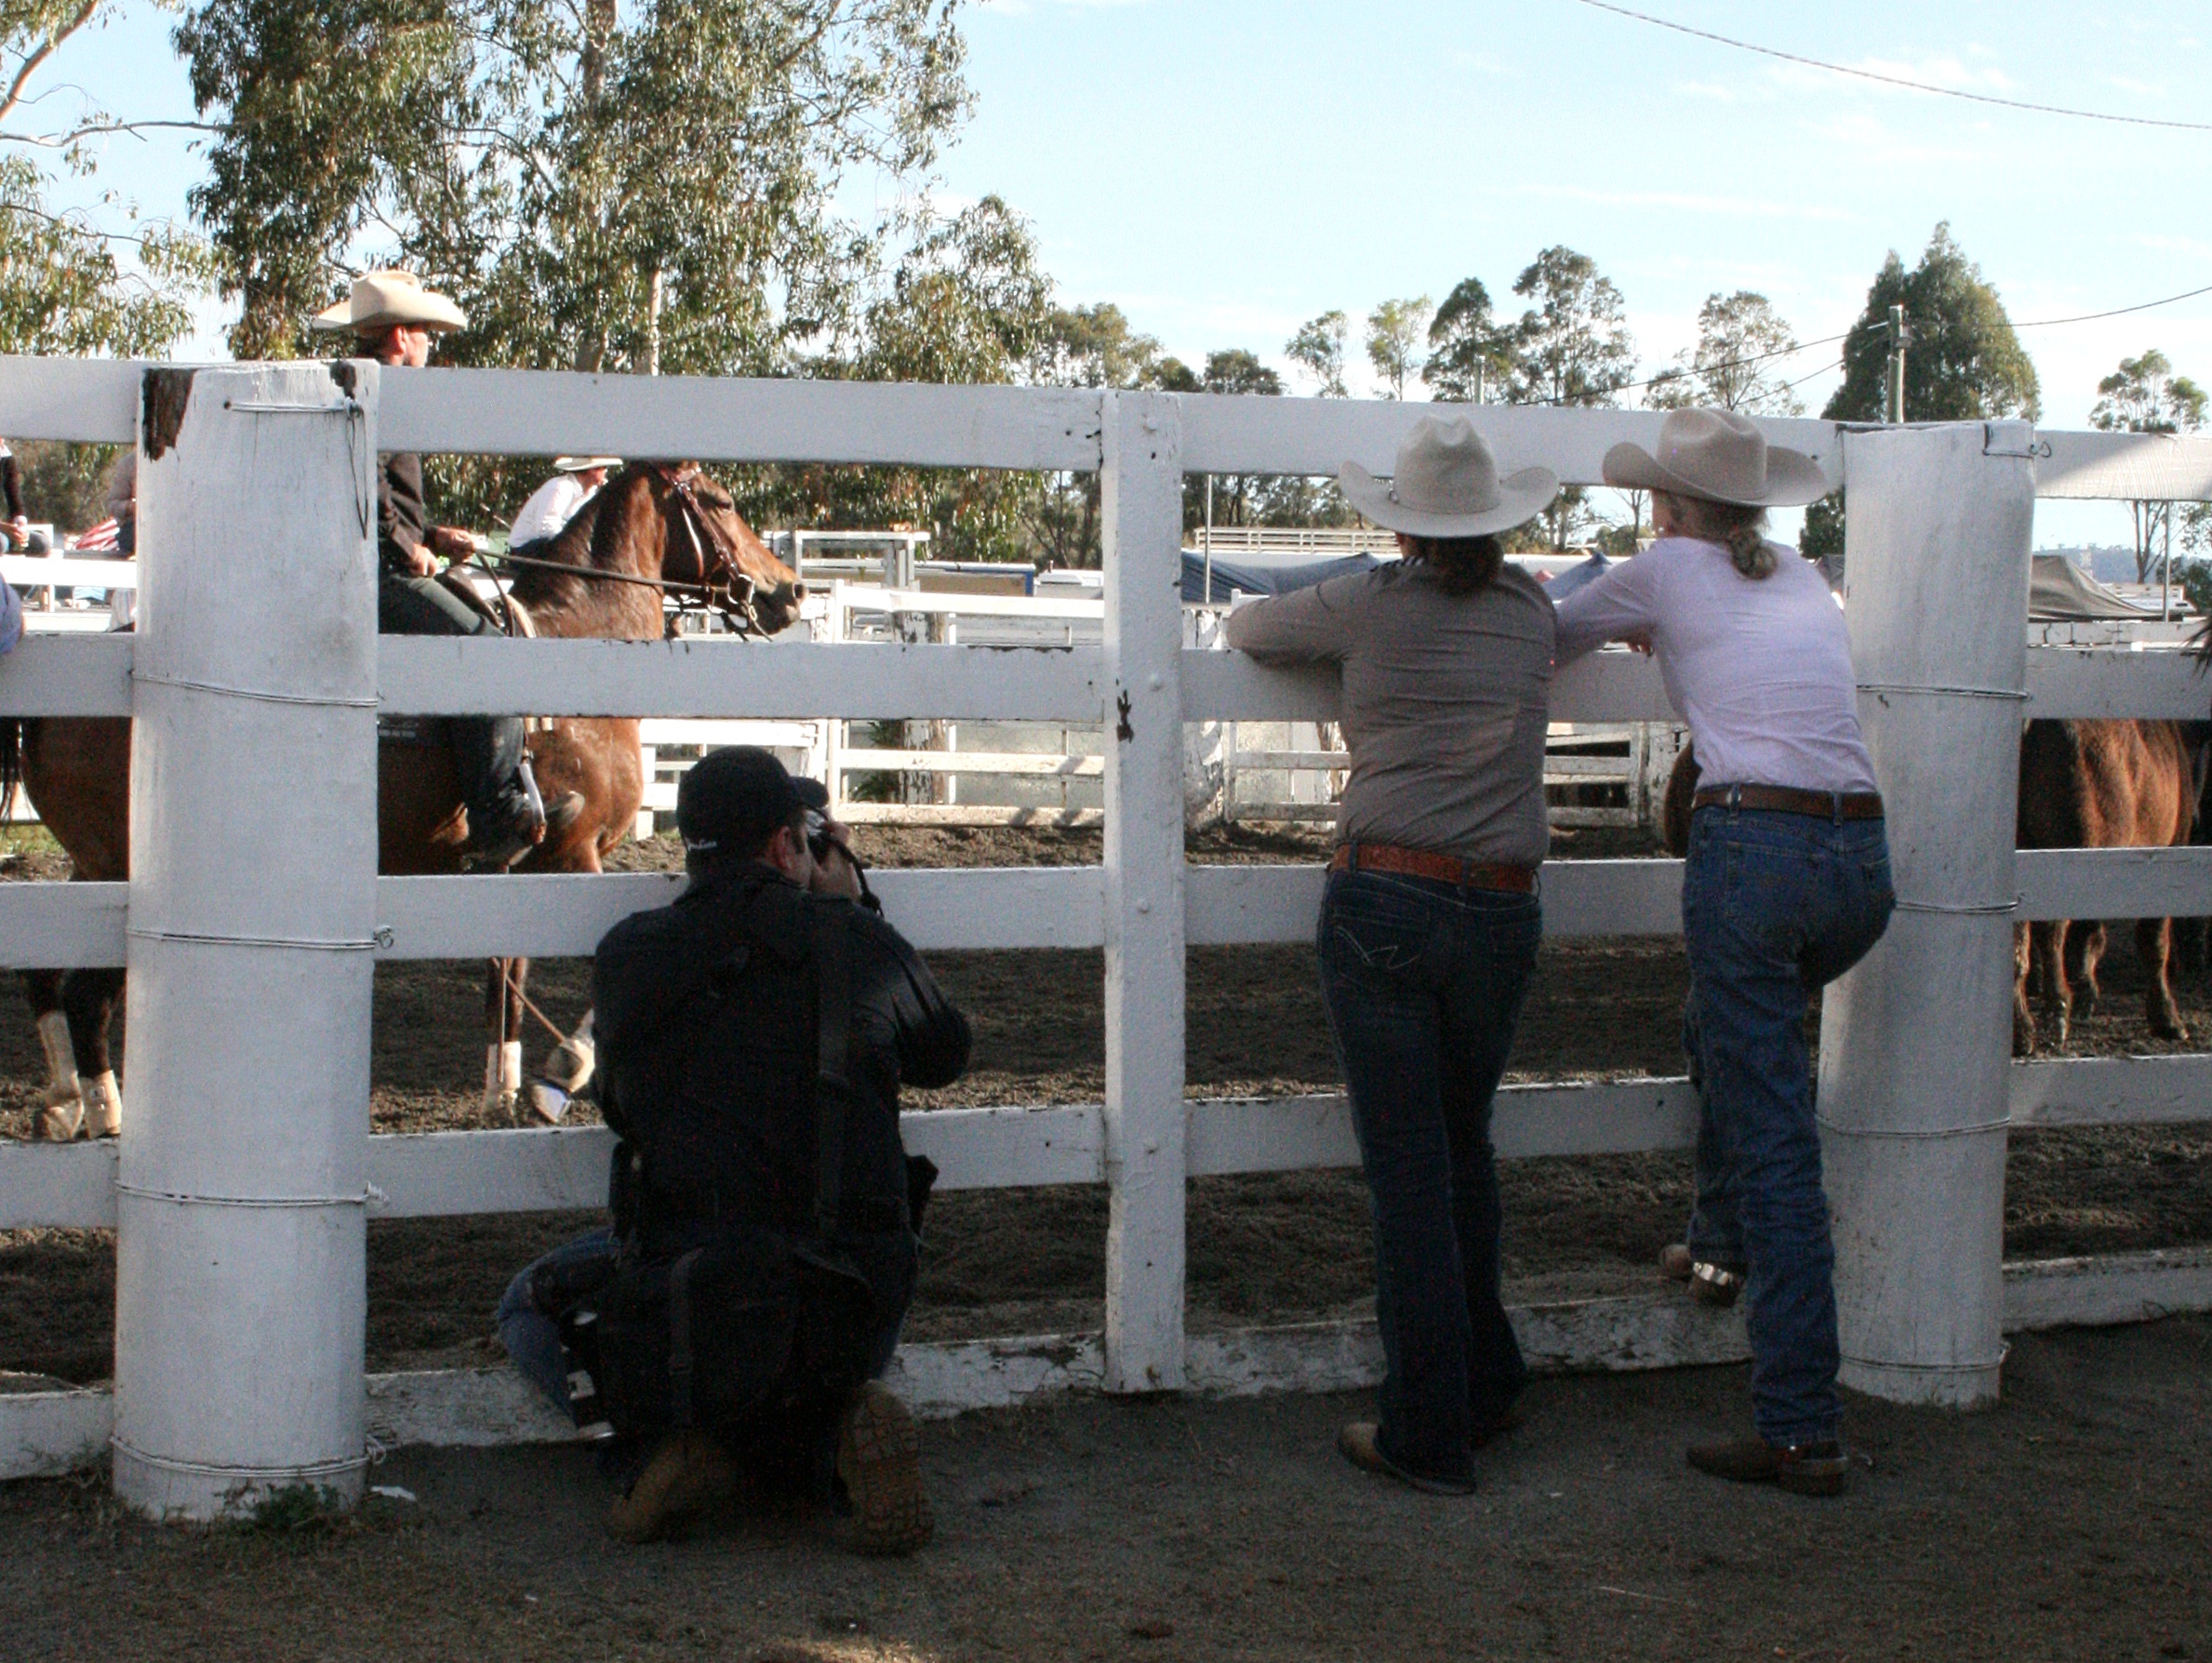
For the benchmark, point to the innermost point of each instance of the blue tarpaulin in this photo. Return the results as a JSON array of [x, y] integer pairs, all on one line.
[[1278, 573], [1257, 573]]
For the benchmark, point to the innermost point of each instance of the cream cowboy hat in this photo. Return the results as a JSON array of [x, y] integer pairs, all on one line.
[[1445, 483], [383, 299], [584, 465], [1721, 456]]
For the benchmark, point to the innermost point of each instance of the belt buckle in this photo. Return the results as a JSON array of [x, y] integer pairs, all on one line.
[[1734, 798]]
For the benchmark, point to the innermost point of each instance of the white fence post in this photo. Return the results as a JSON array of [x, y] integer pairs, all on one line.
[[1141, 521], [240, 1266], [1916, 1042]]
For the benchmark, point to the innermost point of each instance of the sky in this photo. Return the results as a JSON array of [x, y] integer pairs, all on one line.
[[1224, 169]]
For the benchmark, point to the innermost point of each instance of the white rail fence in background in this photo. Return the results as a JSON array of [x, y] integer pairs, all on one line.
[[246, 1172]]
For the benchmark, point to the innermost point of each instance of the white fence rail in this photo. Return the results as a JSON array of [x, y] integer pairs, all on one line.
[[1143, 905]]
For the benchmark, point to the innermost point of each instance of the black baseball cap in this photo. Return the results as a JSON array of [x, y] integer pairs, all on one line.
[[731, 801]]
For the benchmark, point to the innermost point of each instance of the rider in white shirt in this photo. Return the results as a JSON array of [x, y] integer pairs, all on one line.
[[576, 480]]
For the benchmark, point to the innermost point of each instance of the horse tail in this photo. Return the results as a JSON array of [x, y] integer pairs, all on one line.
[[11, 764]]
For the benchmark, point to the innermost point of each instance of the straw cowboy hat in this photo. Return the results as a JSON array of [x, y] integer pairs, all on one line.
[[584, 465], [381, 299], [1445, 483], [1721, 456]]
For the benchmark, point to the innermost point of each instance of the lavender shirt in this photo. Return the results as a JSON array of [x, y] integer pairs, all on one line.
[[1759, 668]]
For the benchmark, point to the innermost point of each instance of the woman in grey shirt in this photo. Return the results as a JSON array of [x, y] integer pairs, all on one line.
[[1430, 924]]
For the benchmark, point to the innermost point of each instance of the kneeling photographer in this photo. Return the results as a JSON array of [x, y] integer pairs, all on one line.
[[752, 1039]]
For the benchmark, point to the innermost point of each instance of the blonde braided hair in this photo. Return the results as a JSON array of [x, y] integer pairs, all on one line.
[[1737, 527]]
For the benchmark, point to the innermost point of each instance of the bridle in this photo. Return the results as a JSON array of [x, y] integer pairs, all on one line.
[[723, 586]]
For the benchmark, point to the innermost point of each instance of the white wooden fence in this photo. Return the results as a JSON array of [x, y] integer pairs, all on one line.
[[245, 1170]]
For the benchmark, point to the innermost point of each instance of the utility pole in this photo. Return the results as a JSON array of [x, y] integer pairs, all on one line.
[[1894, 401]]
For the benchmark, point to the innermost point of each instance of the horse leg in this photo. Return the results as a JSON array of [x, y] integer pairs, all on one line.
[[564, 1074], [90, 997], [518, 978], [61, 1105], [2091, 939], [2152, 938], [2023, 1018], [503, 1058], [2050, 950]]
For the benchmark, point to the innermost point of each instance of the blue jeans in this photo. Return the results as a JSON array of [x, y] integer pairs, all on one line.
[[1774, 907], [533, 1336], [1424, 983]]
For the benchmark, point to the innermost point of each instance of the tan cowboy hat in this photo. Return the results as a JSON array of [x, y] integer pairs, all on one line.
[[383, 299], [1721, 456], [1445, 483], [584, 465]]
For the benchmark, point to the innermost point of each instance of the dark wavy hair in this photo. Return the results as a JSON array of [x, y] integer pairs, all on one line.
[[1463, 564]]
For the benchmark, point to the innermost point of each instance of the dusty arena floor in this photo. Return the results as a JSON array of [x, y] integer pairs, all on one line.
[[2066, 1525], [1261, 1248]]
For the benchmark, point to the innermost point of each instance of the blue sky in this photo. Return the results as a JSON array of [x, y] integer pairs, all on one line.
[[1223, 169]]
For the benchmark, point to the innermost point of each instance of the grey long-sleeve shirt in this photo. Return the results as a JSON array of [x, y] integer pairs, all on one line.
[[1444, 704]]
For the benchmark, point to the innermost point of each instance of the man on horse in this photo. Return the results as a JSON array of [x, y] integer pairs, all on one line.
[[394, 317]]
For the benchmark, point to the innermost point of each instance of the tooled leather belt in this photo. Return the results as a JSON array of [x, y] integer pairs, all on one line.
[[1825, 805], [1433, 864]]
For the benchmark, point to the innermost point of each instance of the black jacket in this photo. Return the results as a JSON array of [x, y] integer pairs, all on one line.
[[402, 525], [708, 1054]]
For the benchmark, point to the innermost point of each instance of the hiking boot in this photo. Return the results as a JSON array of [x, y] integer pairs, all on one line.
[[1356, 1444], [1802, 1469], [879, 1460], [688, 1473]]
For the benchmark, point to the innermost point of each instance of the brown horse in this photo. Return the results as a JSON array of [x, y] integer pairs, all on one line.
[[2083, 785], [2100, 785], [652, 529]]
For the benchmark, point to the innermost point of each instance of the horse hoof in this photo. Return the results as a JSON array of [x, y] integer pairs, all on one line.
[[548, 1103], [57, 1123]]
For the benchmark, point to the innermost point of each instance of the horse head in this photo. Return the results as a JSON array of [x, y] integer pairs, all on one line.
[[710, 544]]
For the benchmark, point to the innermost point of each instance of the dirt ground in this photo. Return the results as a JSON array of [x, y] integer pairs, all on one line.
[[1275, 1247], [2068, 1524]]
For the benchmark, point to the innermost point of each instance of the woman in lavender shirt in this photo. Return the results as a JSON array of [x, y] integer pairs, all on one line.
[[1786, 886]]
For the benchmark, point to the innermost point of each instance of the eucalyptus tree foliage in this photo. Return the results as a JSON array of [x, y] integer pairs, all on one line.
[[651, 187], [2144, 395], [1739, 362], [1395, 332], [77, 282], [1570, 347], [1318, 349], [967, 304], [1469, 351], [1963, 362]]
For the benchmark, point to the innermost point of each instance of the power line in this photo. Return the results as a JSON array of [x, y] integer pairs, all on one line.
[[2086, 317], [1864, 75], [1791, 352]]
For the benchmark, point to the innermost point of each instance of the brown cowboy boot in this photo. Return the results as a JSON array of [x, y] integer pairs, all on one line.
[[1802, 1469]]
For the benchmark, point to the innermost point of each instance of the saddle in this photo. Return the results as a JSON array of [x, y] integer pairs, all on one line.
[[510, 617]]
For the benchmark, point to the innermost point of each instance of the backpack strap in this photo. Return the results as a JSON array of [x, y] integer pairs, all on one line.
[[680, 1356], [832, 1089]]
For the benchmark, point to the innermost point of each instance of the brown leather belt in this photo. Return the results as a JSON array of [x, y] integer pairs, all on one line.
[[1430, 863], [1823, 805]]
